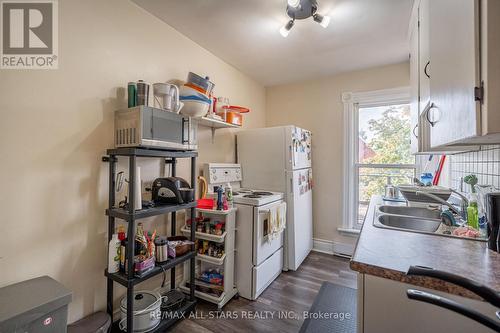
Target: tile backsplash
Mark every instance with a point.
(484, 163)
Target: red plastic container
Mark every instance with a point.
(205, 204)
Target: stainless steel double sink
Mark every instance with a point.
(416, 219)
(426, 220)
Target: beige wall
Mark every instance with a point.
(55, 125)
(316, 105)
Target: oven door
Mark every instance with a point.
(264, 247)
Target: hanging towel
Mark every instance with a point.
(277, 221)
(281, 217)
(272, 223)
(267, 225)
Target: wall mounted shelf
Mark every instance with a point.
(215, 124)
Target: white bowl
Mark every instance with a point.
(195, 109)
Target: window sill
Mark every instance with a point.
(349, 231)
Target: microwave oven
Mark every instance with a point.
(144, 126)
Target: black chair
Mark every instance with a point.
(489, 295)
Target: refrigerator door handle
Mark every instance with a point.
(291, 155)
(291, 186)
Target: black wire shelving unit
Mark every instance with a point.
(129, 215)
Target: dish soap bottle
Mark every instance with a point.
(114, 254)
(472, 212)
(229, 195)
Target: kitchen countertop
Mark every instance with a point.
(389, 253)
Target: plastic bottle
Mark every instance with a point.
(121, 233)
(114, 254)
(140, 240)
(472, 212)
(482, 191)
(220, 203)
(483, 227)
(122, 236)
(123, 255)
(229, 195)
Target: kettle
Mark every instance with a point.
(166, 96)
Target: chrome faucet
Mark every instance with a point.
(464, 203)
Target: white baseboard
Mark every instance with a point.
(323, 246)
(331, 247)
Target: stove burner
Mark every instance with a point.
(262, 193)
(254, 196)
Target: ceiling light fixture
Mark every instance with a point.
(300, 10)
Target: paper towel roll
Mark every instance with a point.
(138, 189)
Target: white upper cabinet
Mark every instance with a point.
(490, 71)
(458, 80)
(424, 53)
(420, 78)
(454, 113)
(414, 84)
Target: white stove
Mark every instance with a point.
(246, 196)
(259, 257)
(220, 174)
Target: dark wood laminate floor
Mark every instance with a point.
(291, 292)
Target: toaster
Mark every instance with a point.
(171, 190)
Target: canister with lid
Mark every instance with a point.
(161, 244)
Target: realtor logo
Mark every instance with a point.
(29, 34)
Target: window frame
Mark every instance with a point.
(352, 103)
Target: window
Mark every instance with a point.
(377, 148)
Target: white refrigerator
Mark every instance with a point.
(279, 159)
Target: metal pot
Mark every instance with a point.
(146, 311)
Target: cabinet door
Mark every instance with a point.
(424, 54)
(454, 53)
(414, 84)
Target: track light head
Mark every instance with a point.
(285, 30)
(324, 21)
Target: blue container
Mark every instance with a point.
(426, 178)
